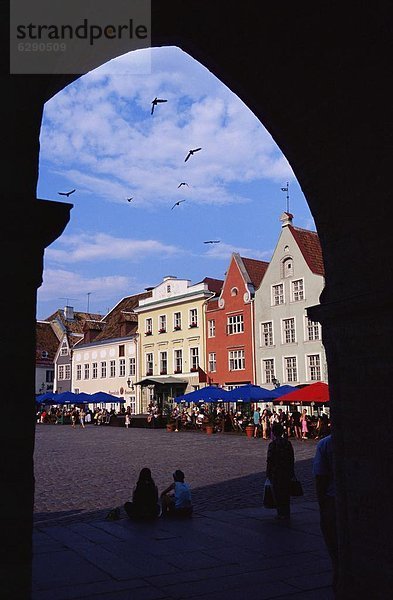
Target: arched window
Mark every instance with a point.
(234, 291)
(287, 267)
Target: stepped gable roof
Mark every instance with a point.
(256, 270)
(123, 311)
(310, 247)
(47, 343)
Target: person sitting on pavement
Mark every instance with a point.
(145, 503)
(176, 498)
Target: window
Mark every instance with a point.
(268, 370)
(178, 361)
(49, 376)
(64, 348)
(193, 317)
(177, 321)
(149, 363)
(312, 330)
(103, 369)
(236, 360)
(277, 294)
(67, 371)
(122, 367)
(148, 326)
(79, 371)
(235, 324)
(162, 324)
(194, 359)
(60, 372)
(212, 362)
(289, 331)
(290, 368)
(112, 368)
(132, 366)
(94, 370)
(234, 291)
(211, 328)
(287, 267)
(133, 405)
(87, 371)
(163, 363)
(168, 289)
(122, 350)
(267, 333)
(313, 367)
(297, 290)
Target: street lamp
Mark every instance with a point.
(275, 382)
(130, 383)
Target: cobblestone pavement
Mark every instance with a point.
(82, 473)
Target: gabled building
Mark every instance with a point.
(106, 359)
(288, 343)
(172, 338)
(69, 328)
(47, 344)
(230, 324)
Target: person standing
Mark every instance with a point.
(323, 472)
(127, 421)
(257, 420)
(280, 469)
(304, 422)
(82, 416)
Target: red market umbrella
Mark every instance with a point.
(316, 392)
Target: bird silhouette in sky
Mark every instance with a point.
(155, 102)
(129, 199)
(183, 183)
(177, 203)
(212, 242)
(190, 153)
(66, 193)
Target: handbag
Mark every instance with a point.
(295, 488)
(269, 500)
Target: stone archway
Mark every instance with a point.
(316, 78)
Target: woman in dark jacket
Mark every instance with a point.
(280, 469)
(144, 498)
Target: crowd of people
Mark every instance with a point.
(77, 415)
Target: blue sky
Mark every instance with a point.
(99, 137)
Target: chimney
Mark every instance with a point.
(286, 219)
(69, 313)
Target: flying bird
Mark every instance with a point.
(66, 193)
(212, 242)
(190, 153)
(129, 199)
(155, 102)
(177, 204)
(183, 183)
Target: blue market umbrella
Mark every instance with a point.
(211, 393)
(251, 393)
(284, 389)
(47, 398)
(66, 398)
(104, 397)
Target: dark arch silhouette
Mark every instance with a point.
(316, 75)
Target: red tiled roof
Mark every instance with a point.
(256, 270)
(214, 285)
(47, 343)
(118, 315)
(310, 247)
(76, 324)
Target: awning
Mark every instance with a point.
(207, 394)
(163, 380)
(316, 392)
(251, 393)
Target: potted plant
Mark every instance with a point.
(209, 420)
(193, 324)
(177, 328)
(170, 421)
(148, 332)
(249, 426)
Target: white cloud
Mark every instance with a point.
(75, 286)
(223, 251)
(101, 246)
(100, 134)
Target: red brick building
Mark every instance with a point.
(230, 323)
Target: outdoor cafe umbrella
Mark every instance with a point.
(284, 389)
(317, 392)
(250, 393)
(211, 393)
(47, 398)
(105, 398)
(65, 398)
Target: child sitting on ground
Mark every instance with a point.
(177, 503)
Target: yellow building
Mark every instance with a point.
(171, 325)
